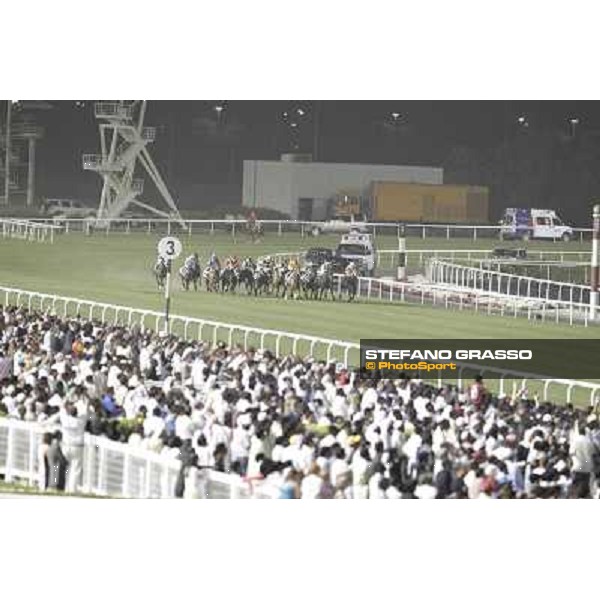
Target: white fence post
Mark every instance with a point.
(8, 476)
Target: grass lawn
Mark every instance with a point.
(117, 268)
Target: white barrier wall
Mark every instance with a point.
(114, 469)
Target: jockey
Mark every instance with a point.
(213, 261)
(235, 262)
(351, 270)
(248, 263)
(191, 262)
(294, 264)
(323, 268)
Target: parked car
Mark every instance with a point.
(317, 256)
(58, 207)
(340, 225)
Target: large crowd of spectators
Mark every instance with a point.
(310, 429)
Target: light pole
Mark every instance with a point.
(7, 155)
(219, 108)
(573, 122)
(316, 130)
(594, 283)
(394, 124)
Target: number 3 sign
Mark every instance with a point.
(169, 247)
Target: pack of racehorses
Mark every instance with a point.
(265, 277)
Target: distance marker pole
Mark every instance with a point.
(401, 274)
(167, 296)
(595, 263)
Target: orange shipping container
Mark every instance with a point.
(395, 201)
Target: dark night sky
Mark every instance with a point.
(350, 131)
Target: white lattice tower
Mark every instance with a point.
(123, 143)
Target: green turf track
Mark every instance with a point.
(117, 268)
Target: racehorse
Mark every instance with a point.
(262, 280)
(278, 283)
(189, 273)
(211, 279)
(292, 284)
(255, 230)
(349, 285)
(308, 281)
(246, 275)
(160, 272)
(325, 282)
(229, 279)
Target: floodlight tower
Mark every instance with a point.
(123, 142)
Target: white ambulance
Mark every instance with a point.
(358, 247)
(534, 223)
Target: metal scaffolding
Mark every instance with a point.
(18, 132)
(123, 143)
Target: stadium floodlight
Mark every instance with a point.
(123, 143)
(573, 122)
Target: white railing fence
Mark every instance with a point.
(115, 469)
(481, 301)
(28, 230)
(278, 226)
(390, 258)
(280, 342)
(484, 280)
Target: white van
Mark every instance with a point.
(534, 223)
(359, 248)
(58, 207)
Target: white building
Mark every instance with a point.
(302, 189)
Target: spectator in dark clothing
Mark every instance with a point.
(57, 464)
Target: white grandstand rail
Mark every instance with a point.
(376, 288)
(203, 329)
(113, 469)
